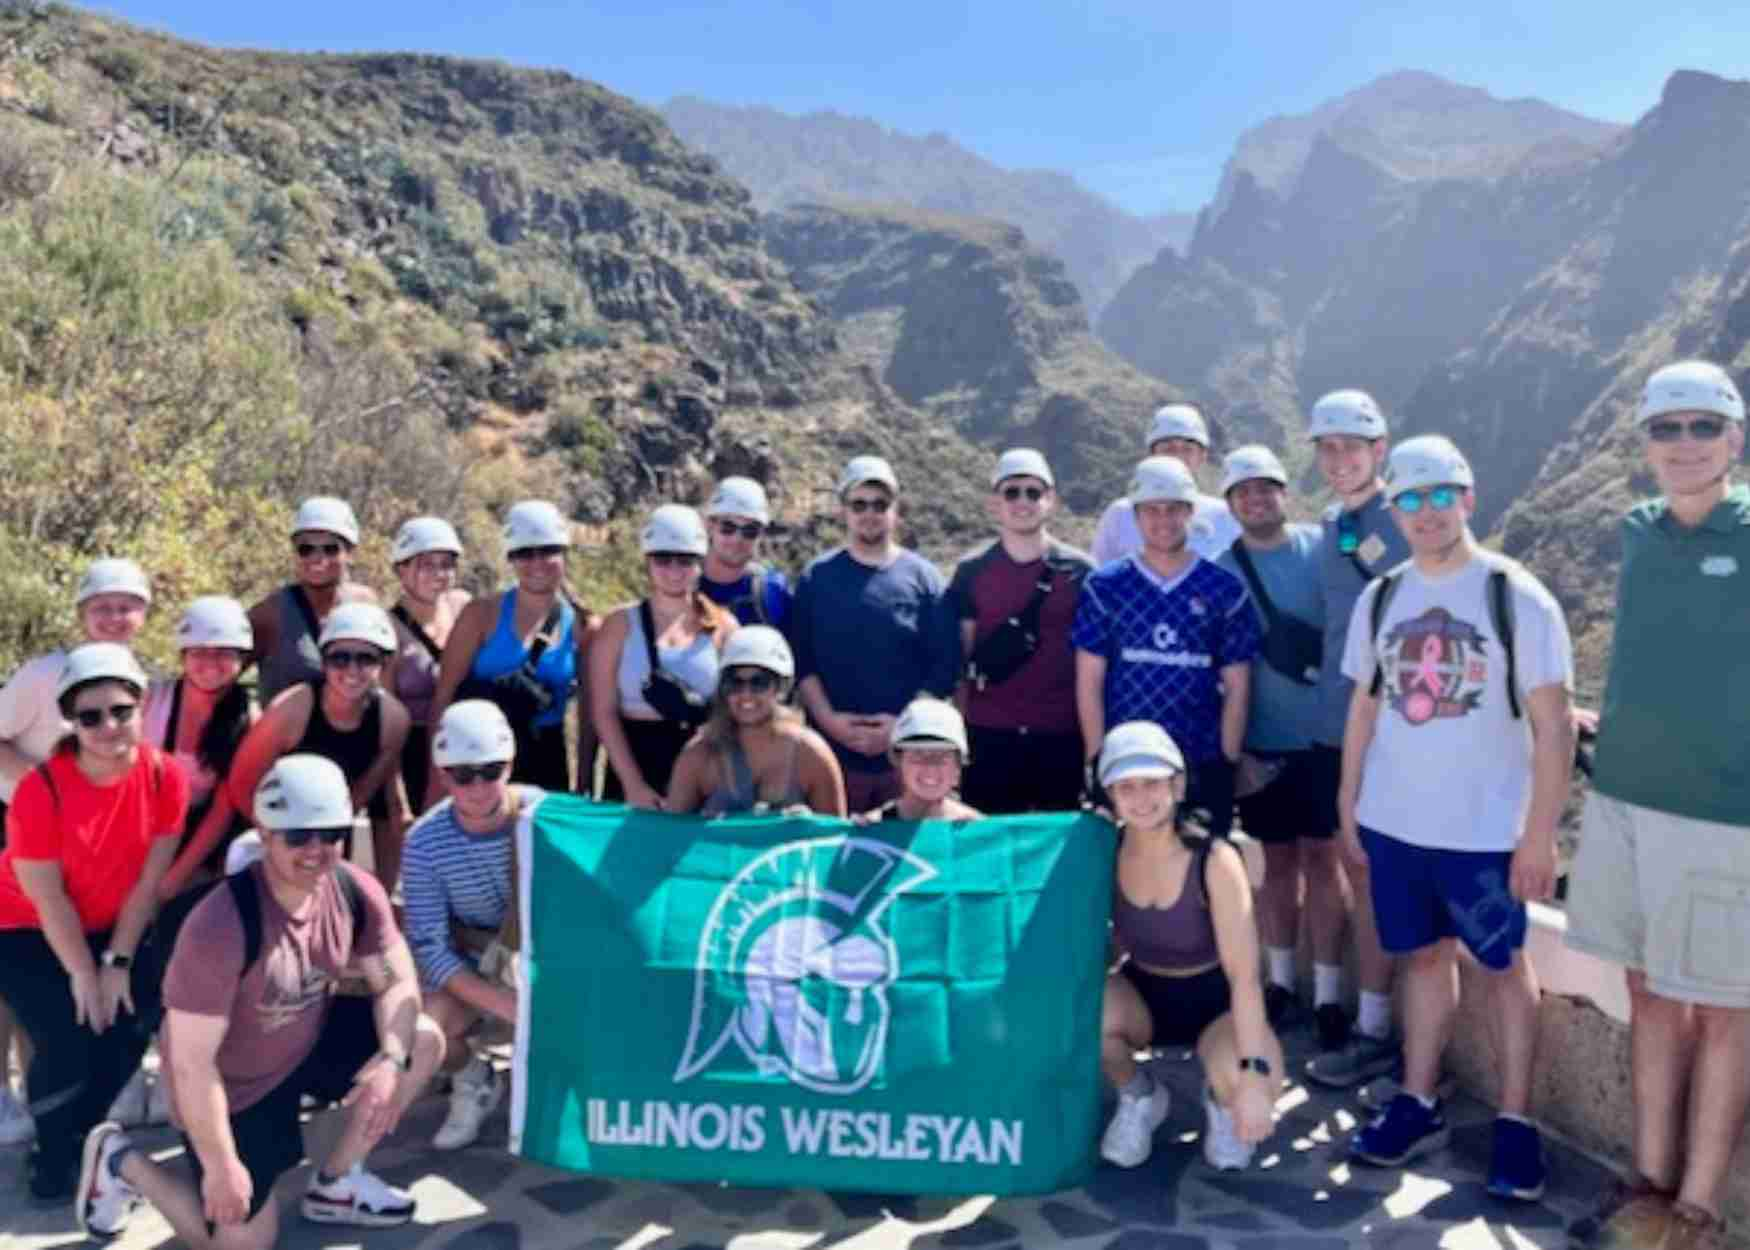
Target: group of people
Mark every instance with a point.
(1384, 705)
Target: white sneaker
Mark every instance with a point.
(129, 1107)
(103, 1200)
(1222, 1148)
(158, 1103)
(1130, 1136)
(475, 1094)
(359, 1197)
(16, 1126)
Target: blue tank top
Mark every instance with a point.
(504, 652)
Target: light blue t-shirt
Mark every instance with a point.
(1284, 713)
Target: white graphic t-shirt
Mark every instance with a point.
(1448, 766)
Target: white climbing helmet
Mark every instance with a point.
(113, 576)
(1139, 748)
(423, 534)
(1178, 421)
(359, 622)
(1162, 479)
(1250, 463)
(215, 621)
(1691, 386)
(1349, 412)
(758, 646)
(99, 661)
(535, 523)
(929, 721)
(303, 791)
(329, 516)
(1426, 460)
(473, 731)
(862, 469)
(740, 496)
(674, 528)
(1021, 462)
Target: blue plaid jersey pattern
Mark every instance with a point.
(1165, 644)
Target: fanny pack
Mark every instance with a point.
(665, 692)
(1291, 646)
(1011, 644)
(519, 694)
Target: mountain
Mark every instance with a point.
(826, 157)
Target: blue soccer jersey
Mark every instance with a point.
(1165, 643)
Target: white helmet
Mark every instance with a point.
(676, 528)
(1162, 479)
(535, 523)
(927, 720)
(861, 469)
(473, 731)
(215, 621)
(99, 661)
(113, 576)
(303, 791)
(329, 515)
(359, 622)
(423, 534)
(1139, 748)
(1346, 412)
(740, 496)
(1178, 421)
(1021, 462)
(758, 646)
(1691, 386)
(1426, 460)
(1249, 463)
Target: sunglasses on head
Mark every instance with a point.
(1439, 498)
(673, 559)
(307, 551)
(296, 838)
(468, 774)
(353, 659)
(758, 681)
(877, 506)
(92, 717)
(537, 553)
(1032, 494)
(1700, 429)
(750, 531)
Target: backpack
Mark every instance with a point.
(246, 895)
(1500, 613)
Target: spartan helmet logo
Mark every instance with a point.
(794, 965)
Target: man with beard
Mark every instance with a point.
(1163, 635)
(288, 622)
(1017, 600)
(736, 515)
(1179, 431)
(873, 628)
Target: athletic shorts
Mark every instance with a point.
(1014, 770)
(1422, 895)
(1324, 777)
(1210, 789)
(1290, 807)
(1666, 895)
(269, 1140)
(1181, 1007)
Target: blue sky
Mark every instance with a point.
(1140, 99)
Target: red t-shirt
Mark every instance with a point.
(989, 588)
(99, 834)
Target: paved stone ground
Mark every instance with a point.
(1300, 1194)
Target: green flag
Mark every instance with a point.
(806, 1002)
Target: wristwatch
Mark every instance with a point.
(404, 1062)
(115, 959)
(1255, 1063)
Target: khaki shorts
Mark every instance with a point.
(1667, 895)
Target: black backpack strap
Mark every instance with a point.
(306, 610)
(1249, 571)
(1501, 611)
(400, 613)
(1376, 618)
(348, 883)
(246, 896)
(169, 743)
(648, 622)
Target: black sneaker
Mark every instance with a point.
(51, 1185)
(1281, 1007)
(1333, 1026)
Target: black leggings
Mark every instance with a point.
(74, 1074)
(656, 745)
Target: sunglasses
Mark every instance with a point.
(1700, 430)
(1439, 498)
(1032, 494)
(673, 559)
(537, 553)
(92, 717)
(860, 506)
(435, 563)
(309, 551)
(1348, 533)
(750, 531)
(296, 838)
(758, 683)
(353, 659)
(468, 774)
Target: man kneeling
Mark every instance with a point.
(253, 1025)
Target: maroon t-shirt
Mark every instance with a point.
(278, 1007)
(989, 587)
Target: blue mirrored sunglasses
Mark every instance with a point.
(1440, 498)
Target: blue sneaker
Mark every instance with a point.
(1405, 1130)
(1516, 1165)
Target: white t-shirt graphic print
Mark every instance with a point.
(1448, 766)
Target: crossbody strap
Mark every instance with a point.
(400, 613)
(1249, 571)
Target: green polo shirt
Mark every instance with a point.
(1675, 731)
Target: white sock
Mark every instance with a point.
(1374, 1018)
(1281, 965)
(1327, 984)
(1140, 1085)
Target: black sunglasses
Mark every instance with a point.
(296, 838)
(673, 559)
(750, 531)
(468, 774)
(1032, 494)
(1701, 430)
(860, 506)
(353, 659)
(758, 682)
(92, 717)
(537, 553)
(1348, 533)
(307, 550)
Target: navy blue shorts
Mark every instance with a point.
(1422, 895)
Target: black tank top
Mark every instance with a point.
(355, 750)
